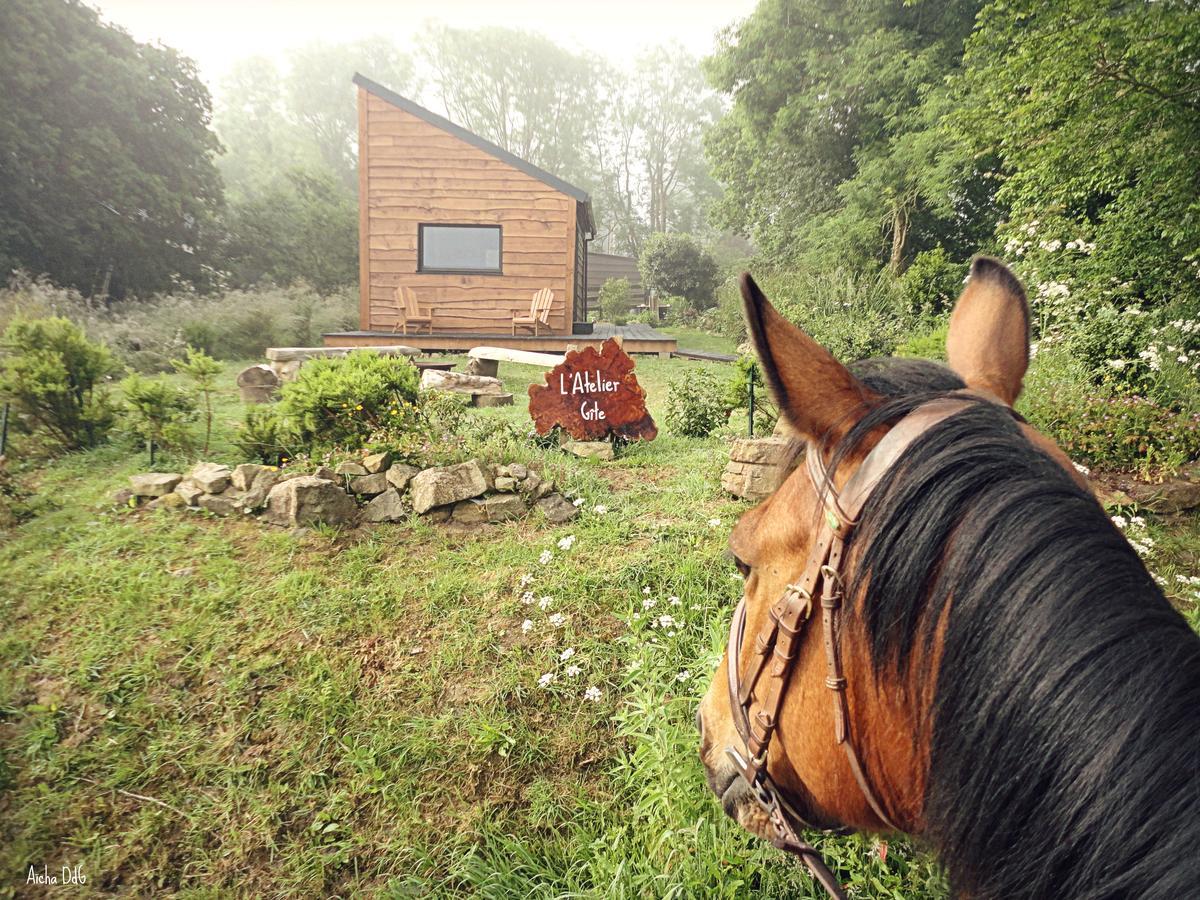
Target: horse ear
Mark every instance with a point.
(816, 394)
(988, 340)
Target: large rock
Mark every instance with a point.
(377, 462)
(256, 497)
(535, 487)
(167, 501)
(447, 484)
(306, 500)
(772, 451)
(243, 476)
(154, 484)
(400, 475)
(226, 504)
(490, 400)
(557, 509)
(387, 507)
(757, 466)
(258, 384)
(189, 492)
(489, 509)
(351, 468)
(1171, 497)
(212, 478)
(457, 382)
(591, 449)
(369, 485)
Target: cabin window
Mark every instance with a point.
(459, 248)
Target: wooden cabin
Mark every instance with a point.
(471, 230)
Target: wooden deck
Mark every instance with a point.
(635, 338)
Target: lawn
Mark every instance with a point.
(215, 707)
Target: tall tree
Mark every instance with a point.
(107, 181)
(1092, 114)
(820, 151)
(652, 172)
(519, 90)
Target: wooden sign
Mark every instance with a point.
(592, 395)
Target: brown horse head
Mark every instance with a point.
(983, 511)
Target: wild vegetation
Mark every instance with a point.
(197, 705)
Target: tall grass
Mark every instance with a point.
(147, 334)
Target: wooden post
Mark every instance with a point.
(751, 377)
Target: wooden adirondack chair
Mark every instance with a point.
(410, 313)
(539, 312)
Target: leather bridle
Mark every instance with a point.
(779, 639)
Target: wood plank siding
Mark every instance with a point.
(419, 169)
(603, 266)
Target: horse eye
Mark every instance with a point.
(741, 567)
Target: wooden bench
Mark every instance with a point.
(486, 360)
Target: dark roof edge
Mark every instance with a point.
(475, 140)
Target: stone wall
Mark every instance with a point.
(371, 489)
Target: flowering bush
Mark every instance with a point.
(1129, 433)
(343, 402)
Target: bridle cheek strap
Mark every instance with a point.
(756, 705)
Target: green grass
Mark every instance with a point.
(694, 339)
(214, 707)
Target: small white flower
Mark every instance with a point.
(1082, 469)
(527, 597)
(572, 671)
(567, 542)
(592, 693)
(546, 680)
(646, 589)
(665, 621)
(599, 509)
(558, 620)
(567, 654)
(714, 523)
(526, 580)
(578, 501)
(545, 557)
(649, 603)
(544, 603)
(1120, 521)
(683, 676)
(674, 601)
(526, 626)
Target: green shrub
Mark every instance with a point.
(1101, 428)
(930, 285)
(930, 345)
(342, 402)
(158, 411)
(850, 314)
(202, 370)
(697, 403)
(747, 371)
(262, 436)
(54, 376)
(676, 265)
(614, 300)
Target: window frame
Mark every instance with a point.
(421, 267)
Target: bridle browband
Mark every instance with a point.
(780, 636)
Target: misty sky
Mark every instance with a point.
(216, 33)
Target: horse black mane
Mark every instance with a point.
(1065, 727)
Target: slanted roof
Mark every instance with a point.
(485, 145)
